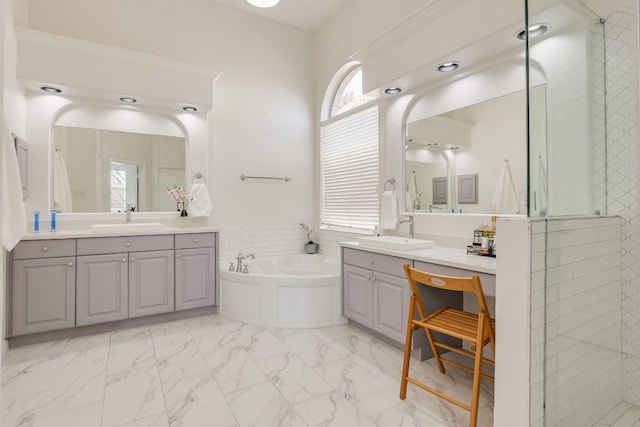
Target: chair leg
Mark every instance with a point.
(407, 349)
(477, 370)
(434, 349)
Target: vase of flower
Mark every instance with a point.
(310, 247)
(182, 200)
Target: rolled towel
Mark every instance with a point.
(14, 218)
(201, 203)
(388, 211)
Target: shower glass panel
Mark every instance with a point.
(576, 327)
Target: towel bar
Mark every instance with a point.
(245, 177)
(391, 181)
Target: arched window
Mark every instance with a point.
(349, 157)
(349, 95)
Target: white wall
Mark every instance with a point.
(262, 122)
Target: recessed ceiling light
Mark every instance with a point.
(535, 30)
(448, 67)
(263, 3)
(392, 90)
(128, 100)
(50, 89)
(189, 109)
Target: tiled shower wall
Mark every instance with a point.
(623, 181)
(576, 289)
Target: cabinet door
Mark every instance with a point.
(391, 296)
(102, 288)
(151, 283)
(43, 295)
(358, 296)
(195, 278)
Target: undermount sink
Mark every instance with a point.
(126, 227)
(396, 243)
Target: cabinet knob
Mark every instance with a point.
(132, 259)
(124, 260)
(196, 240)
(128, 244)
(70, 264)
(178, 256)
(370, 261)
(45, 248)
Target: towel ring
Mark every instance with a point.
(391, 181)
(198, 175)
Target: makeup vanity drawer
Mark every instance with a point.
(378, 262)
(195, 240)
(31, 249)
(111, 245)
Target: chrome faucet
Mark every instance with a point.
(410, 221)
(239, 258)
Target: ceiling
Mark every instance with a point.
(307, 14)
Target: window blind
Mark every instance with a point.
(349, 159)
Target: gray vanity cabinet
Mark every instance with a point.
(151, 283)
(43, 286)
(376, 292)
(102, 288)
(196, 270)
(150, 274)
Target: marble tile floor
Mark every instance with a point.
(214, 371)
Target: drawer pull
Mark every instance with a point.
(124, 260)
(196, 240)
(132, 259)
(128, 244)
(178, 256)
(45, 248)
(70, 264)
(371, 261)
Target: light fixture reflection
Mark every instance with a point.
(263, 3)
(448, 67)
(535, 30)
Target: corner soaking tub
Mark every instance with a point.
(290, 291)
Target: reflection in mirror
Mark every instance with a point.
(109, 170)
(426, 179)
(476, 139)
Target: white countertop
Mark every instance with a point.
(83, 233)
(451, 257)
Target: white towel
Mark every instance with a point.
(388, 211)
(14, 218)
(201, 204)
(542, 184)
(505, 198)
(62, 200)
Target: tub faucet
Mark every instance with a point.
(239, 258)
(410, 221)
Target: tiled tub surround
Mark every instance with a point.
(76, 282)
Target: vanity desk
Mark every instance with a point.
(75, 282)
(376, 293)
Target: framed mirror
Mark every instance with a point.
(474, 140)
(97, 170)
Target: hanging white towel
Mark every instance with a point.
(407, 202)
(542, 185)
(505, 198)
(14, 218)
(413, 191)
(388, 211)
(201, 203)
(62, 200)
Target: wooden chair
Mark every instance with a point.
(478, 329)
